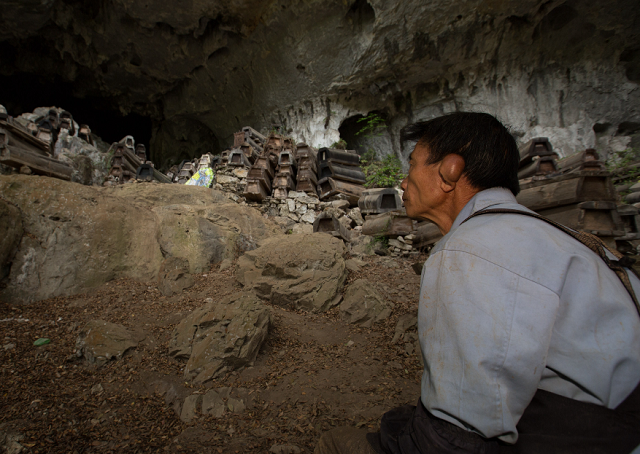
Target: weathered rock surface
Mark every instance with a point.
(362, 304)
(568, 70)
(100, 341)
(190, 407)
(10, 235)
(404, 323)
(221, 336)
(284, 449)
(10, 440)
(174, 276)
(296, 271)
(218, 401)
(362, 244)
(90, 165)
(77, 237)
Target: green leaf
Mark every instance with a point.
(42, 341)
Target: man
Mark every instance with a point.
(530, 342)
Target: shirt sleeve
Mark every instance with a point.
(485, 333)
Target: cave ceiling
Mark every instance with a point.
(204, 69)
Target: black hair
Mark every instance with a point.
(489, 151)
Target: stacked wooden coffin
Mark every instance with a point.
(383, 213)
(307, 180)
(128, 162)
(578, 194)
(20, 149)
(339, 172)
(537, 158)
(261, 175)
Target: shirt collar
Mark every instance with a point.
(482, 200)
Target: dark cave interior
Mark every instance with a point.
(22, 93)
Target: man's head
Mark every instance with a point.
(455, 157)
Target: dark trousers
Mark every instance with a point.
(551, 424)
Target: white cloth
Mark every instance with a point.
(510, 304)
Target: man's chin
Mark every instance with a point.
(411, 213)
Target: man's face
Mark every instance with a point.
(422, 194)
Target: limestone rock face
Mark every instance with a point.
(101, 341)
(568, 70)
(303, 271)
(10, 235)
(363, 305)
(221, 336)
(77, 237)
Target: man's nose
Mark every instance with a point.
(403, 185)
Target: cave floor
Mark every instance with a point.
(313, 373)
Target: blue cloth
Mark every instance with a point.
(510, 304)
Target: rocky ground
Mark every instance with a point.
(313, 373)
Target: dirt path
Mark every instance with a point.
(314, 372)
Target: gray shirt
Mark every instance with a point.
(510, 304)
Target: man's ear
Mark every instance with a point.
(451, 169)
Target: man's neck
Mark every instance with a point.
(453, 206)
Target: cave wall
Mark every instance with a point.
(565, 69)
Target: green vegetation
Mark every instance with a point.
(621, 159)
(373, 126)
(385, 173)
(378, 242)
(340, 145)
(625, 169)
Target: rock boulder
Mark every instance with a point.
(78, 237)
(101, 341)
(221, 336)
(362, 304)
(296, 271)
(174, 276)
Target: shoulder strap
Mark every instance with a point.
(591, 241)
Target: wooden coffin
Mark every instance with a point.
(392, 224)
(328, 187)
(381, 200)
(567, 189)
(327, 223)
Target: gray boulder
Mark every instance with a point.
(90, 166)
(221, 336)
(362, 304)
(405, 322)
(174, 276)
(83, 236)
(101, 341)
(296, 271)
(190, 407)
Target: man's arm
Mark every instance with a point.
(484, 333)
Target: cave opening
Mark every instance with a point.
(352, 130)
(22, 93)
(348, 130)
